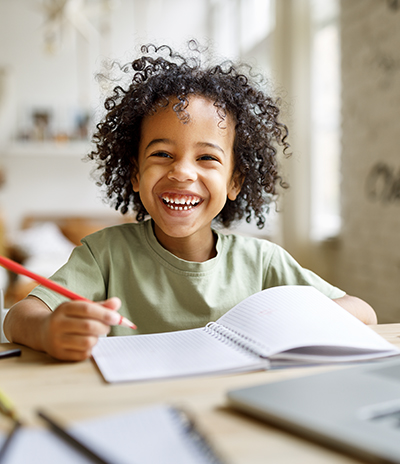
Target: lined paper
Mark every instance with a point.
(167, 355)
(284, 318)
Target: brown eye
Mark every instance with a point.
(161, 154)
(208, 158)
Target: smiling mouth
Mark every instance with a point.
(182, 203)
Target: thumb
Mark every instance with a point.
(113, 303)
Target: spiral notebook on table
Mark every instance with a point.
(288, 324)
(159, 434)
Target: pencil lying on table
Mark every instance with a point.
(60, 431)
(8, 410)
(19, 269)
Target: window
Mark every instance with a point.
(325, 119)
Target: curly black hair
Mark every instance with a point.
(162, 74)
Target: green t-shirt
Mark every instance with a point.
(161, 292)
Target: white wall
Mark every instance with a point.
(48, 184)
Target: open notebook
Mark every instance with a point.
(285, 324)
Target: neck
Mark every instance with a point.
(195, 249)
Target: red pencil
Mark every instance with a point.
(19, 269)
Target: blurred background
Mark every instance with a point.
(335, 65)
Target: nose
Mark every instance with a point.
(183, 170)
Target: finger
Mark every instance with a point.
(95, 311)
(88, 327)
(69, 347)
(113, 303)
(72, 355)
(79, 343)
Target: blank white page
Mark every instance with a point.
(171, 354)
(287, 317)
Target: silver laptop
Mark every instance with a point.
(353, 409)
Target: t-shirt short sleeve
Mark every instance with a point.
(283, 269)
(81, 274)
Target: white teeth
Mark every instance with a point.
(187, 204)
(179, 208)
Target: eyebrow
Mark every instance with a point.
(211, 145)
(199, 144)
(155, 141)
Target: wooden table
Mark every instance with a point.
(76, 391)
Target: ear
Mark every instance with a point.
(235, 186)
(135, 178)
(135, 182)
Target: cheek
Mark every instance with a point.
(145, 183)
(218, 186)
(139, 177)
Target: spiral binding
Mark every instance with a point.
(197, 437)
(237, 339)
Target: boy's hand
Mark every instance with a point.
(70, 332)
(358, 308)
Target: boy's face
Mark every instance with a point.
(185, 171)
